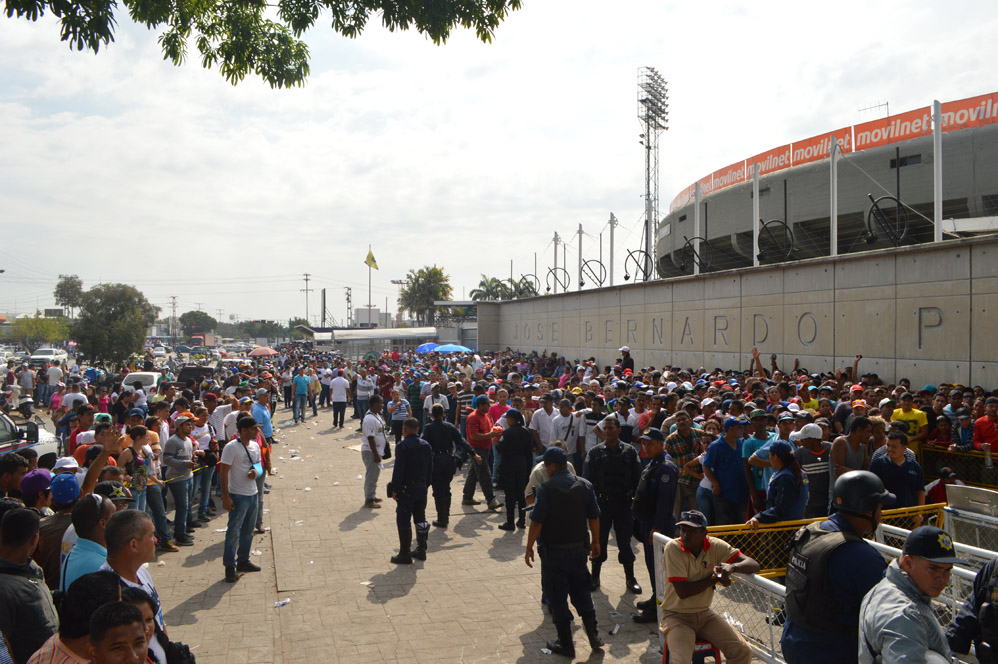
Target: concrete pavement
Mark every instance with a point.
(472, 600)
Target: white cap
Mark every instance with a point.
(63, 463)
(793, 407)
(670, 386)
(706, 402)
(810, 431)
(624, 349)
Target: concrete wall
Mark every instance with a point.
(928, 313)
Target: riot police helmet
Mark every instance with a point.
(859, 492)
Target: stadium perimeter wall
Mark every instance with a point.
(927, 312)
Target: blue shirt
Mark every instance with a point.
(262, 416)
(563, 480)
(785, 501)
(86, 556)
(301, 384)
(855, 567)
(751, 445)
(763, 453)
(726, 464)
(904, 481)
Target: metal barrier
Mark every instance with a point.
(768, 546)
(968, 466)
(971, 528)
(976, 557)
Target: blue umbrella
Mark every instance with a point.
(427, 347)
(452, 348)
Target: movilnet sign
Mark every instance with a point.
(957, 115)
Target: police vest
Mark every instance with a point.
(809, 598)
(566, 525)
(987, 618)
(614, 470)
(646, 495)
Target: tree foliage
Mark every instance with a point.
(197, 322)
(31, 333)
(256, 329)
(491, 289)
(112, 322)
(238, 39)
(425, 285)
(69, 292)
(294, 322)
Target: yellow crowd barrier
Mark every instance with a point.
(768, 545)
(968, 466)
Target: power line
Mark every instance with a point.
(306, 290)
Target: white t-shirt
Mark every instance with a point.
(365, 387)
(73, 400)
(543, 424)
(234, 456)
(567, 428)
(229, 425)
(203, 436)
(429, 401)
(340, 389)
(55, 375)
(374, 426)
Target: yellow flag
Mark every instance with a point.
(370, 262)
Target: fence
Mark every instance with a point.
(975, 557)
(768, 546)
(970, 528)
(968, 466)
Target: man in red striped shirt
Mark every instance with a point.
(481, 433)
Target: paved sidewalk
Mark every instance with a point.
(472, 600)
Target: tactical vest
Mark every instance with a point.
(809, 599)
(987, 618)
(614, 473)
(566, 524)
(646, 495)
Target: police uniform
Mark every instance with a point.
(444, 440)
(614, 472)
(977, 621)
(652, 506)
(564, 506)
(831, 568)
(412, 473)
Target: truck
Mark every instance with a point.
(203, 339)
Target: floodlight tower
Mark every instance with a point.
(653, 113)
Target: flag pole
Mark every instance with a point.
(368, 286)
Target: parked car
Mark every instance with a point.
(158, 351)
(44, 355)
(147, 378)
(13, 437)
(181, 348)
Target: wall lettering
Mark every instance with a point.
(526, 331)
(687, 332)
(928, 318)
(656, 330)
(608, 337)
(554, 331)
(804, 334)
(756, 338)
(540, 331)
(589, 331)
(632, 328)
(721, 329)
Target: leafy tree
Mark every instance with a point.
(112, 322)
(294, 322)
(524, 288)
(197, 322)
(69, 292)
(425, 286)
(33, 332)
(262, 328)
(238, 38)
(489, 289)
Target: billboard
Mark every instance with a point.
(819, 147)
(883, 131)
(773, 160)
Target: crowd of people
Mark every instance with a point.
(637, 450)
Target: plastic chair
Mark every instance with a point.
(701, 650)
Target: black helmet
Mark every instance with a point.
(860, 491)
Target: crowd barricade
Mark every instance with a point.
(975, 557)
(977, 530)
(768, 546)
(968, 466)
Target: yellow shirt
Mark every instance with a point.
(681, 565)
(812, 404)
(916, 419)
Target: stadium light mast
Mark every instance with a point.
(653, 113)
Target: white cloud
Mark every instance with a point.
(121, 166)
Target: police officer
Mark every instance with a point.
(652, 508)
(613, 468)
(444, 439)
(977, 621)
(831, 567)
(565, 505)
(412, 473)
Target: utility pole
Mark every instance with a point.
(199, 305)
(556, 241)
(173, 320)
(613, 224)
(323, 308)
(306, 290)
(219, 312)
(580, 256)
(349, 306)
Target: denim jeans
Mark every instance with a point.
(311, 402)
(323, 395)
(259, 500)
(156, 507)
(181, 490)
(203, 480)
(139, 500)
(371, 473)
(705, 501)
(728, 512)
(363, 405)
(298, 408)
(239, 534)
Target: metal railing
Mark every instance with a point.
(975, 557)
(968, 466)
(971, 528)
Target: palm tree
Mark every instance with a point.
(425, 286)
(525, 288)
(489, 289)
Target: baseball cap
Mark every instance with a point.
(35, 481)
(651, 433)
(136, 412)
(884, 402)
(780, 448)
(65, 489)
(810, 431)
(758, 412)
(102, 417)
(245, 400)
(932, 544)
(945, 473)
(787, 415)
(112, 489)
(261, 392)
(856, 388)
(624, 349)
(185, 416)
(963, 413)
(706, 402)
(692, 518)
(859, 403)
(734, 422)
(66, 463)
(555, 455)
(210, 396)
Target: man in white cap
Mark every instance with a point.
(626, 361)
(812, 454)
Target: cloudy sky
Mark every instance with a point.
(122, 167)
